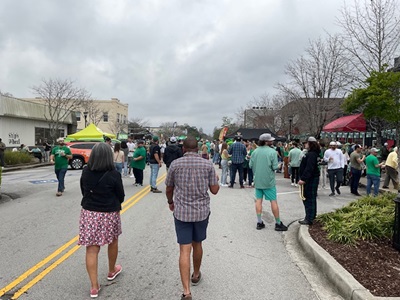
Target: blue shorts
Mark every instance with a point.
(267, 194)
(188, 232)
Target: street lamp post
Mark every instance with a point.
(290, 127)
(85, 114)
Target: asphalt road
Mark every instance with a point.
(239, 261)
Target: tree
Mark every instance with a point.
(6, 94)
(314, 78)
(371, 35)
(379, 100)
(61, 98)
(94, 112)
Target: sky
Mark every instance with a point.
(181, 61)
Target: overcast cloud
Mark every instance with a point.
(170, 60)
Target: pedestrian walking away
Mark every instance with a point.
(335, 159)
(59, 157)
(172, 152)
(238, 153)
(356, 159)
(391, 167)
(100, 220)
(373, 171)
(294, 162)
(155, 164)
(309, 180)
(264, 162)
(138, 163)
(188, 180)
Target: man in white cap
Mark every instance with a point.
(384, 152)
(172, 152)
(264, 162)
(59, 157)
(335, 159)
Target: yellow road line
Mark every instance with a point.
(126, 205)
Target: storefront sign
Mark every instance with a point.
(13, 139)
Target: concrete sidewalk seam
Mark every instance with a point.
(345, 283)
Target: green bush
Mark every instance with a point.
(365, 219)
(15, 158)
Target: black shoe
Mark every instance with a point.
(156, 191)
(331, 194)
(242, 186)
(230, 186)
(385, 187)
(337, 191)
(260, 226)
(280, 227)
(357, 194)
(305, 222)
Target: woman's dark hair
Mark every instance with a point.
(124, 145)
(101, 158)
(314, 146)
(117, 147)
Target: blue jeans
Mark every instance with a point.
(239, 168)
(224, 171)
(216, 158)
(118, 167)
(355, 180)
(373, 180)
(153, 175)
(125, 168)
(60, 173)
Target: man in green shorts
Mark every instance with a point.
(264, 162)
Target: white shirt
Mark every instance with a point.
(334, 158)
(131, 147)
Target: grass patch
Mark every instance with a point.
(16, 158)
(367, 218)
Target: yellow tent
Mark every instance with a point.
(90, 132)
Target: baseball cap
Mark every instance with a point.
(266, 137)
(311, 139)
(155, 138)
(60, 140)
(385, 144)
(332, 144)
(374, 150)
(172, 139)
(238, 137)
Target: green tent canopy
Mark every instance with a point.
(91, 132)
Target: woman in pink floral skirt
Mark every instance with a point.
(100, 221)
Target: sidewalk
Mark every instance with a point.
(25, 166)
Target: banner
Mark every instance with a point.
(223, 133)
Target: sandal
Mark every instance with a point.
(186, 297)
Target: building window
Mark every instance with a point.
(105, 116)
(118, 118)
(78, 116)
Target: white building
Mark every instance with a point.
(24, 122)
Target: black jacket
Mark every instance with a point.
(105, 195)
(309, 166)
(171, 153)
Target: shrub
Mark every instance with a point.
(367, 218)
(15, 158)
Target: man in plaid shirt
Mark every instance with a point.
(238, 154)
(188, 180)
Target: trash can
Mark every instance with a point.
(396, 229)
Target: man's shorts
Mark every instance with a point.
(188, 232)
(267, 194)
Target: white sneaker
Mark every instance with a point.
(223, 184)
(295, 185)
(292, 184)
(132, 176)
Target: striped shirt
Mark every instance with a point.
(191, 176)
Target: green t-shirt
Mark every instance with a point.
(294, 156)
(139, 164)
(370, 162)
(61, 161)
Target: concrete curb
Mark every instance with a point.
(343, 281)
(23, 167)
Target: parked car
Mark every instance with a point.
(80, 153)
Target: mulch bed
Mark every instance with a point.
(375, 264)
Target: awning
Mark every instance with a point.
(353, 123)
